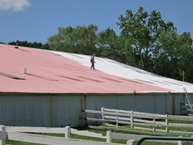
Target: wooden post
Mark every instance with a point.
(131, 142)
(67, 132)
(167, 123)
(131, 119)
(2, 128)
(102, 110)
(180, 142)
(108, 137)
(116, 120)
(153, 124)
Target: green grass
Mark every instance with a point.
(181, 121)
(18, 143)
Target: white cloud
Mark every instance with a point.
(14, 5)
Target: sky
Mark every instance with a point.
(37, 20)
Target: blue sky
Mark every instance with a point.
(37, 20)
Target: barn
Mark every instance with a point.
(50, 88)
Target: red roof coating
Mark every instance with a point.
(51, 73)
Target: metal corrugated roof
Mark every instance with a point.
(47, 72)
(133, 74)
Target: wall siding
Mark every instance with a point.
(56, 110)
(152, 103)
(40, 110)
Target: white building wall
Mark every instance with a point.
(56, 110)
(40, 110)
(152, 103)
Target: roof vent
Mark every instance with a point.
(24, 70)
(16, 47)
(134, 92)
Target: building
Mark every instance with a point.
(48, 88)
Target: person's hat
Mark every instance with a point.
(94, 54)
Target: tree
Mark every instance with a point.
(165, 62)
(81, 39)
(140, 32)
(30, 44)
(107, 44)
(185, 55)
(63, 40)
(86, 39)
(174, 56)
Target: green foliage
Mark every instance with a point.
(175, 55)
(108, 44)
(29, 44)
(140, 32)
(81, 39)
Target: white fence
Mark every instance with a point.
(17, 134)
(136, 119)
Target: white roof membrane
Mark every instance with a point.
(125, 71)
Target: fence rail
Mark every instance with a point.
(53, 131)
(137, 119)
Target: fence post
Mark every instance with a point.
(116, 120)
(180, 142)
(102, 110)
(153, 124)
(2, 128)
(167, 123)
(131, 142)
(67, 132)
(109, 137)
(131, 119)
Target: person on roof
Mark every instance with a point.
(92, 61)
